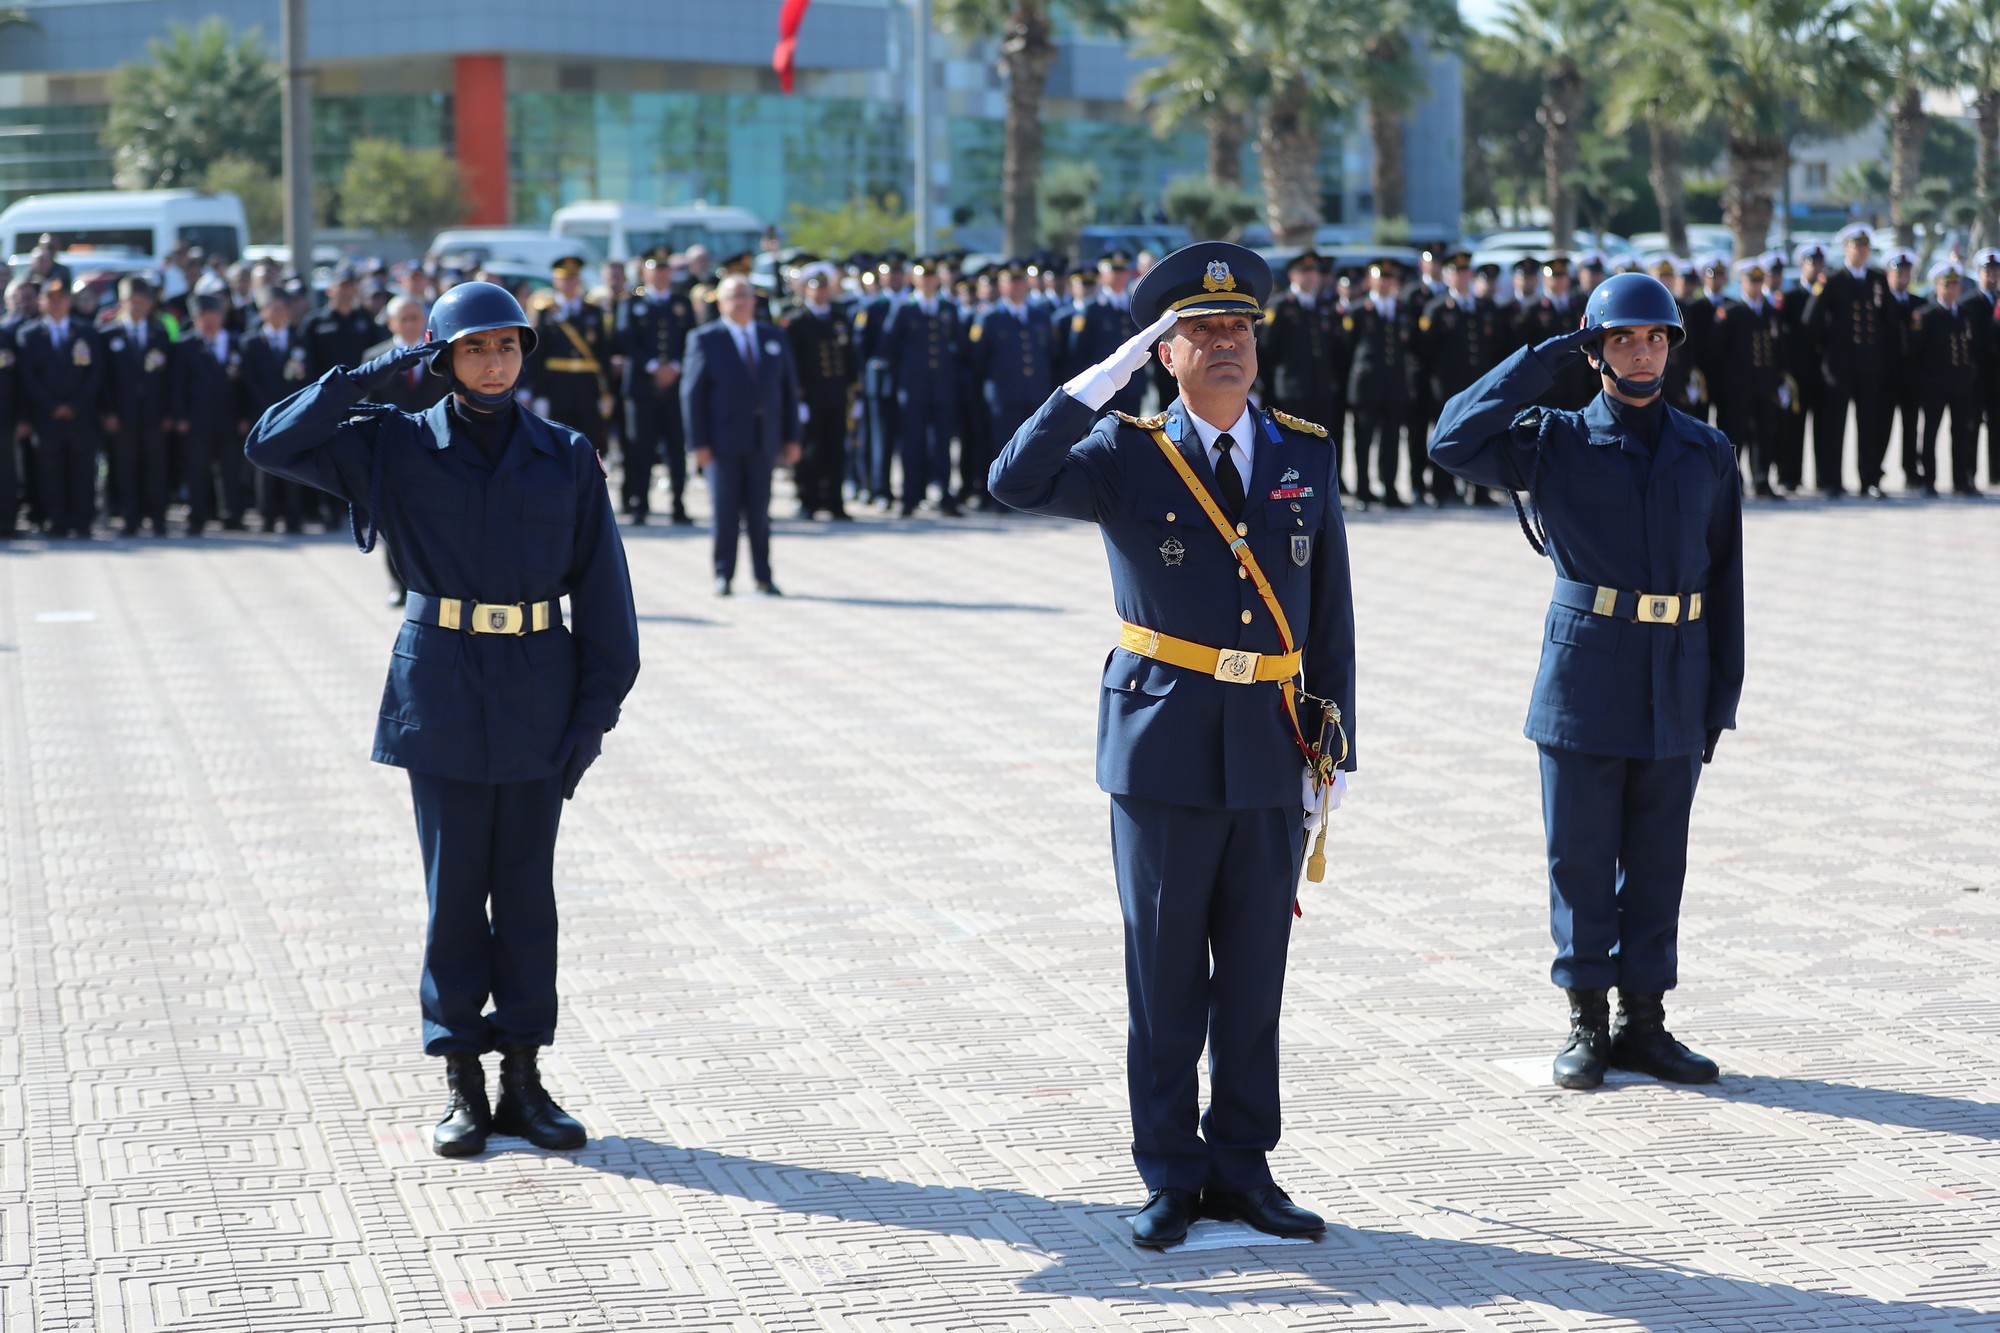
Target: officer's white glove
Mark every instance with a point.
(1331, 796)
(1094, 387)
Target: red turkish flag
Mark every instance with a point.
(789, 19)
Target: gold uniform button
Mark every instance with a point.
(1170, 516)
(1242, 572)
(1246, 617)
(1243, 529)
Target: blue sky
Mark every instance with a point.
(1479, 13)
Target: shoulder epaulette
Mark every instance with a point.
(1299, 423)
(1147, 423)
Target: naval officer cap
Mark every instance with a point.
(1206, 278)
(1986, 259)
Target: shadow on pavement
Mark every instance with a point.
(924, 604)
(1879, 1106)
(1092, 1255)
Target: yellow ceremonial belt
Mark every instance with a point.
(1225, 664)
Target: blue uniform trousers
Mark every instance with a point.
(882, 414)
(1618, 831)
(739, 486)
(1207, 897)
(923, 430)
(488, 849)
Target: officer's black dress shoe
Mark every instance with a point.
(636, 519)
(1831, 493)
(1875, 492)
(1270, 1210)
(840, 515)
(1581, 1062)
(766, 588)
(949, 508)
(468, 1117)
(1968, 490)
(527, 1110)
(722, 587)
(1928, 491)
(1642, 1043)
(1393, 499)
(681, 519)
(1165, 1219)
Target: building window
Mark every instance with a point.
(1815, 175)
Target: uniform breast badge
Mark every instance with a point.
(1302, 549)
(1172, 552)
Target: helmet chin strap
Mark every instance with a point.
(489, 402)
(1644, 390)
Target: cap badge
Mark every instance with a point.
(1218, 278)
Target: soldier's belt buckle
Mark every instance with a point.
(491, 619)
(1237, 668)
(1659, 610)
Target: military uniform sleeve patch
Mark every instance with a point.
(1299, 423)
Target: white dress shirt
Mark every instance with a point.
(1243, 437)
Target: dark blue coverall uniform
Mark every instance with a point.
(1204, 776)
(477, 719)
(1622, 707)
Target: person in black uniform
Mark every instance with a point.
(1752, 389)
(207, 402)
(878, 378)
(1458, 340)
(1845, 313)
(569, 378)
(823, 352)
(1947, 369)
(1219, 714)
(1011, 348)
(274, 368)
(1636, 687)
(1902, 376)
(1299, 345)
(137, 382)
(10, 473)
(492, 704)
(1802, 360)
(61, 372)
(340, 332)
(1983, 305)
(1377, 334)
(1088, 329)
(657, 321)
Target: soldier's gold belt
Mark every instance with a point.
(571, 365)
(1648, 608)
(1230, 665)
(481, 617)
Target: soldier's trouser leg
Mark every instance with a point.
(913, 449)
(757, 514)
(1367, 425)
(641, 453)
(124, 502)
(1617, 842)
(1387, 431)
(1766, 425)
(1416, 447)
(1207, 901)
(1792, 458)
(1829, 436)
(69, 477)
(1964, 439)
(1908, 414)
(937, 454)
(489, 874)
(1873, 409)
(1922, 467)
(726, 478)
(884, 440)
(10, 479)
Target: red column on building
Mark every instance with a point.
(479, 115)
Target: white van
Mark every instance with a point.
(141, 222)
(608, 230)
(499, 245)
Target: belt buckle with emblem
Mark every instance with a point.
(1172, 552)
(1660, 610)
(491, 619)
(1234, 668)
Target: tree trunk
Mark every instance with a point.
(1026, 52)
(1385, 132)
(1907, 124)
(1986, 170)
(1288, 144)
(1225, 146)
(1669, 185)
(1756, 165)
(1562, 106)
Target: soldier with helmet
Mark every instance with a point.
(569, 376)
(1640, 512)
(494, 706)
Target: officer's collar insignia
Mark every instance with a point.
(1176, 427)
(1172, 552)
(1291, 474)
(1302, 548)
(1218, 277)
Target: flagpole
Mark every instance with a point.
(920, 13)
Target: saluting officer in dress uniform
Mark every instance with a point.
(494, 707)
(1011, 348)
(823, 351)
(1458, 340)
(1377, 334)
(1802, 358)
(1846, 312)
(1902, 376)
(1642, 662)
(657, 321)
(1752, 389)
(569, 376)
(1197, 746)
(1947, 370)
(923, 344)
(1299, 345)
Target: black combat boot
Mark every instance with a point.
(468, 1116)
(1641, 1042)
(1580, 1063)
(527, 1110)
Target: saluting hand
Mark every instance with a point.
(374, 374)
(1094, 387)
(1551, 351)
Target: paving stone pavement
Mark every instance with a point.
(841, 977)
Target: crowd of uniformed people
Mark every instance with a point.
(119, 401)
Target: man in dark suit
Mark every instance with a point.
(740, 398)
(274, 368)
(1846, 312)
(207, 401)
(655, 324)
(1458, 340)
(62, 378)
(137, 348)
(1902, 369)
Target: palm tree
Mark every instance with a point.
(1977, 23)
(1393, 74)
(1624, 108)
(1755, 68)
(1919, 50)
(1025, 32)
(201, 95)
(1191, 82)
(1565, 41)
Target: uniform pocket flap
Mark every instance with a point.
(1578, 629)
(1131, 674)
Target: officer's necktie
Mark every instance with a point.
(1227, 479)
(750, 355)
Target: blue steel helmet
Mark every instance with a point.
(1632, 301)
(477, 307)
